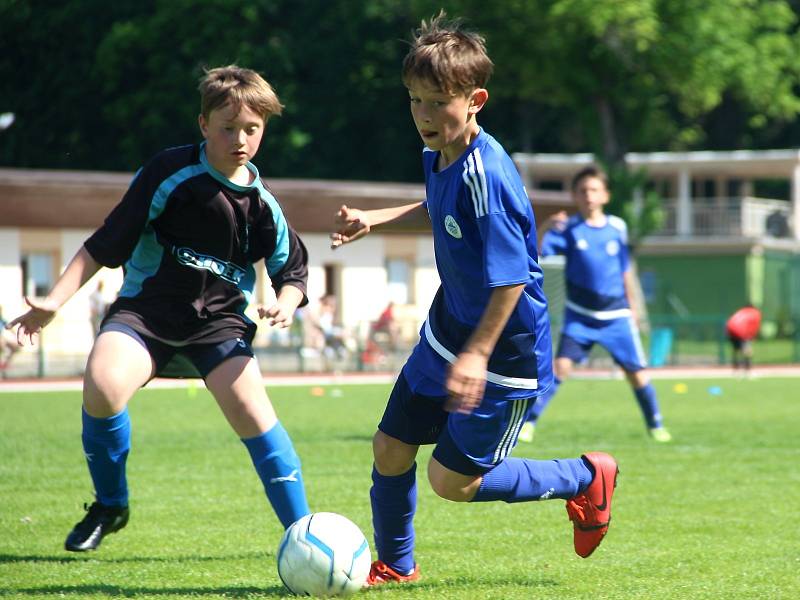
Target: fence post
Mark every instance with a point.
(41, 369)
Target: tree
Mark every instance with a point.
(642, 74)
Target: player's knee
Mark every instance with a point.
(450, 485)
(392, 457)
(562, 368)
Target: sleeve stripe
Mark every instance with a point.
(475, 178)
(465, 176)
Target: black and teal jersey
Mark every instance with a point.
(187, 238)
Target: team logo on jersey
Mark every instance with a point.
(582, 244)
(612, 247)
(222, 269)
(452, 227)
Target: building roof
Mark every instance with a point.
(751, 164)
(82, 199)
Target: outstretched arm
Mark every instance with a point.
(353, 223)
(466, 380)
(554, 221)
(79, 270)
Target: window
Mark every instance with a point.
(38, 273)
(398, 273)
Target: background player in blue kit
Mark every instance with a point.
(188, 231)
(599, 306)
(485, 350)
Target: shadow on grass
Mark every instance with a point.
(66, 558)
(81, 591)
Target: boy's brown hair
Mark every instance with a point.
(590, 171)
(239, 87)
(445, 55)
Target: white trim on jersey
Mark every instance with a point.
(620, 225)
(637, 343)
(600, 315)
(475, 178)
(512, 382)
(519, 408)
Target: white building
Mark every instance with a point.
(45, 216)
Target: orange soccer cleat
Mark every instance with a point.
(590, 511)
(380, 573)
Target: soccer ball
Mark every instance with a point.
(323, 554)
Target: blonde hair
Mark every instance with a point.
(445, 55)
(238, 87)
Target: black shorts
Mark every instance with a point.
(190, 361)
(738, 343)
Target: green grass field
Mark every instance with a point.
(712, 515)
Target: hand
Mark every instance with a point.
(32, 322)
(466, 383)
(277, 315)
(351, 224)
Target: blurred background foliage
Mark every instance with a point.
(103, 85)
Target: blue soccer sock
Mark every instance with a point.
(523, 480)
(542, 401)
(646, 397)
(278, 466)
(106, 442)
(394, 502)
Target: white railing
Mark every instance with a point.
(738, 217)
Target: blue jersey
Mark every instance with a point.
(484, 236)
(597, 259)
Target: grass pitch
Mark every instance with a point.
(712, 515)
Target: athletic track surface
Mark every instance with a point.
(720, 372)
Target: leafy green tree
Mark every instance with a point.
(642, 74)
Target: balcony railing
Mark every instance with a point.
(735, 217)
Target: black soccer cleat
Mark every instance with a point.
(100, 520)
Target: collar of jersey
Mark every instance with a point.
(460, 160)
(224, 180)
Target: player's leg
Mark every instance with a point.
(471, 463)
(119, 364)
(647, 399)
(238, 388)
(747, 355)
(393, 497)
(621, 339)
(409, 420)
(573, 347)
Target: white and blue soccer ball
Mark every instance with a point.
(323, 554)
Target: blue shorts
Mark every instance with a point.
(468, 444)
(619, 336)
(194, 360)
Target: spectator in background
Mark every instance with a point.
(742, 328)
(97, 308)
(386, 324)
(8, 344)
(321, 333)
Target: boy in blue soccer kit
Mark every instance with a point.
(485, 350)
(188, 231)
(599, 296)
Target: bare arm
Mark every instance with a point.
(79, 270)
(353, 223)
(555, 220)
(466, 381)
(629, 284)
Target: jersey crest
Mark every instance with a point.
(452, 227)
(612, 247)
